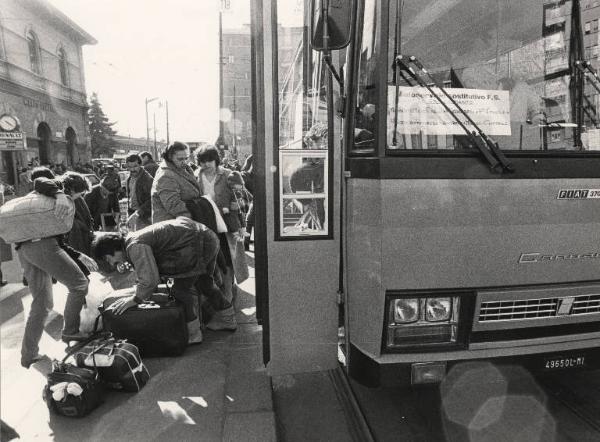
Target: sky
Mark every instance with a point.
(155, 48)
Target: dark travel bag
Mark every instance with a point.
(72, 391)
(156, 327)
(118, 362)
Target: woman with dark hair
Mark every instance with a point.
(174, 184)
(214, 182)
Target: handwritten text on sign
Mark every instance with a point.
(420, 112)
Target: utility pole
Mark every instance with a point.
(234, 121)
(167, 106)
(155, 150)
(221, 125)
(148, 100)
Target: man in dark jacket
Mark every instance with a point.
(104, 204)
(139, 185)
(148, 163)
(181, 249)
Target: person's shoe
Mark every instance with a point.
(194, 332)
(3, 283)
(25, 283)
(81, 336)
(223, 320)
(28, 362)
(54, 281)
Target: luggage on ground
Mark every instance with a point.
(156, 327)
(118, 362)
(72, 391)
(32, 217)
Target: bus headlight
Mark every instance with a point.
(438, 309)
(406, 310)
(422, 321)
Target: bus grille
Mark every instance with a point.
(515, 310)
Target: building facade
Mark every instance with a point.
(42, 86)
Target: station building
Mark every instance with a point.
(43, 103)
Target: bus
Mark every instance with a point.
(458, 191)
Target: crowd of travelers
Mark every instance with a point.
(185, 219)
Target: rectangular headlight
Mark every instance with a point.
(438, 309)
(406, 310)
(422, 321)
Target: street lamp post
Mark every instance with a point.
(154, 127)
(148, 100)
(167, 105)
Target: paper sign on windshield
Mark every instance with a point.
(420, 112)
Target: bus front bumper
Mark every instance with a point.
(394, 369)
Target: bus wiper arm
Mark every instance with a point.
(586, 67)
(489, 143)
(484, 144)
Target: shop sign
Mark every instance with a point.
(420, 112)
(11, 138)
(12, 141)
(30, 102)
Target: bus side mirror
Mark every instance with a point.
(339, 23)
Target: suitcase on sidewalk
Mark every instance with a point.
(156, 327)
(118, 362)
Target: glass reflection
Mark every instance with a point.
(527, 48)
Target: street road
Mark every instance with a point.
(483, 402)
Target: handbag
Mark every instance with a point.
(241, 267)
(72, 391)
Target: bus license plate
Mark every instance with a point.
(560, 363)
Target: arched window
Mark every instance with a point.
(34, 52)
(63, 67)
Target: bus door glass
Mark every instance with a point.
(367, 53)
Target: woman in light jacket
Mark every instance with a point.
(212, 180)
(173, 185)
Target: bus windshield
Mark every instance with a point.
(510, 64)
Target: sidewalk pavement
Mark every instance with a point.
(217, 391)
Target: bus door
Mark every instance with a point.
(298, 230)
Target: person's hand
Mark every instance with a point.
(225, 210)
(88, 262)
(241, 234)
(121, 305)
(64, 204)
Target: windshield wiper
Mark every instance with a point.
(586, 67)
(488, 147)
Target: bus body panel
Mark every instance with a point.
(463, 234)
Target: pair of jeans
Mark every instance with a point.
(183, 291)
(41, 260)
